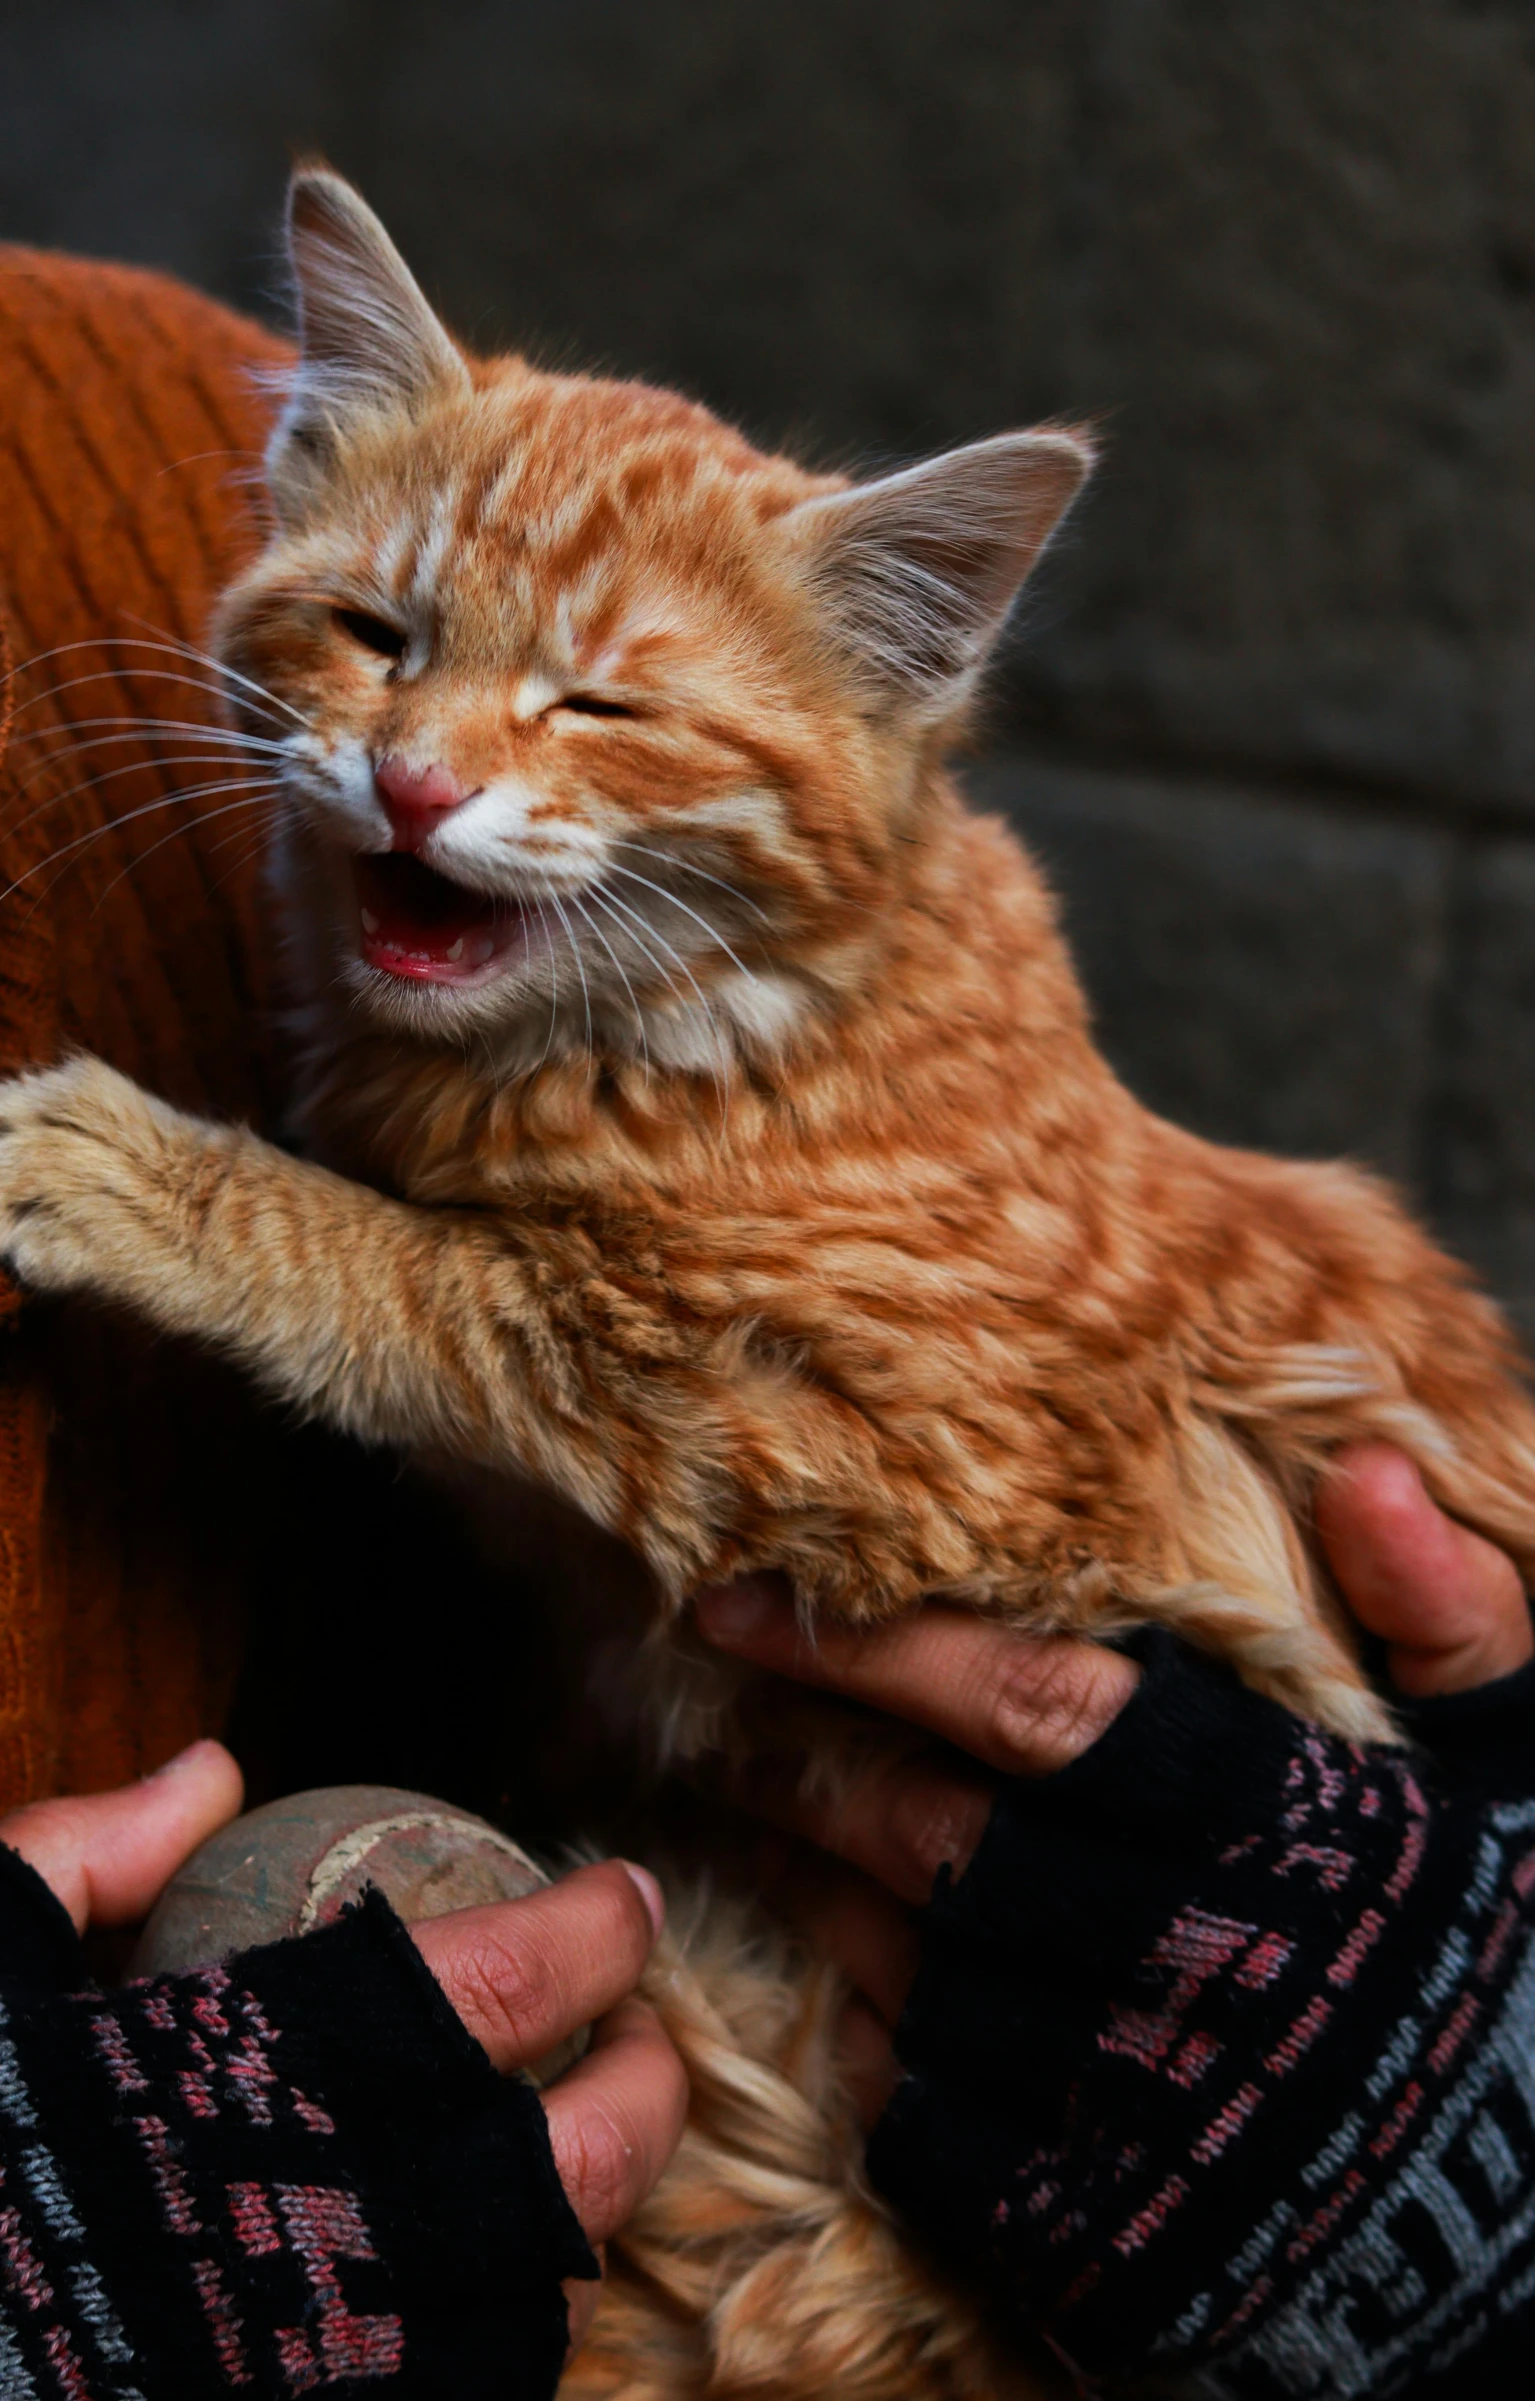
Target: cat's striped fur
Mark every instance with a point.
(747, 1175)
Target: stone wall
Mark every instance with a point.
(1271, 714)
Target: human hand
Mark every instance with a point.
(522, 1975)
(108, 1856)
(525, 1974)
(1448, 1605)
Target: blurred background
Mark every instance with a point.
(1270, 715)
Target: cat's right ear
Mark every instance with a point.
(916, 573)
(368, 337)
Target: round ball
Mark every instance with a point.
(295, 1864)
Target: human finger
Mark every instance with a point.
(616, 2117)
(844, 1916)
(866, 2059)
(899, 1820)
(109, 1855)
(1449, 1604)
(524, 1974)
(1021, 1704)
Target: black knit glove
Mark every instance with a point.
(1222, 2053)
(297, 2174)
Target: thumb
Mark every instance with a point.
(109, 1855)
(1449, 1604)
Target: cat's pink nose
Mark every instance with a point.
(415, 799)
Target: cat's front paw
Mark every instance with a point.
(84, 1159)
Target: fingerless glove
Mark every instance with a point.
(297, 2173)
(1222, 2053)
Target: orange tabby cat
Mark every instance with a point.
(715, 1136)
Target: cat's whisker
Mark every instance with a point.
(491, 1069)
(713, 932)
(665, 858)
(247, 857)
(208, 818)
(223, 843)
(252, 847)
(618, 968)
(261, 789)
(608, 905)
(133, 675)
(611, 902)
(60, 650)
(483, 1039)
(127, 727)
(554, 985)
(55, 800)
(204, 658)
(92, 642)
(151, 757)
(94, 783)
(640, 927)
(237, 867)
(122, 674)
(196, 458)
(575, 952)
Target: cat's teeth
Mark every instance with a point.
(482, 948)
(457, 950)
(369, 922)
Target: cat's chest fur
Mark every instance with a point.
(934, 1306)
(894, 1230)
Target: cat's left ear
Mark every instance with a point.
(368, 336)
(916, 572)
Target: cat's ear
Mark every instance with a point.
(368, 337)
(917, 572)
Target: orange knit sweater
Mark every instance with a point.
(142, 1491)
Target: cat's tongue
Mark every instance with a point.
(416, 923)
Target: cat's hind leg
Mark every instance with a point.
(1282, 1649)
(762, 2263)
(1253, 1594)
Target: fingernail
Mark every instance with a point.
(649, 1891)
(174, 1765)
(732, 1613)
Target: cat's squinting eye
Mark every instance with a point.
(372, 632)
(591, 704)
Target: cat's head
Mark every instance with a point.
(594, 723)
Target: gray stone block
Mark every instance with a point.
(1484, 1120)
(1266, 972)
(161, 133)
(1286, 252)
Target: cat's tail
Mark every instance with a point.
(762, 2265)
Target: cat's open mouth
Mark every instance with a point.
(417, 923)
